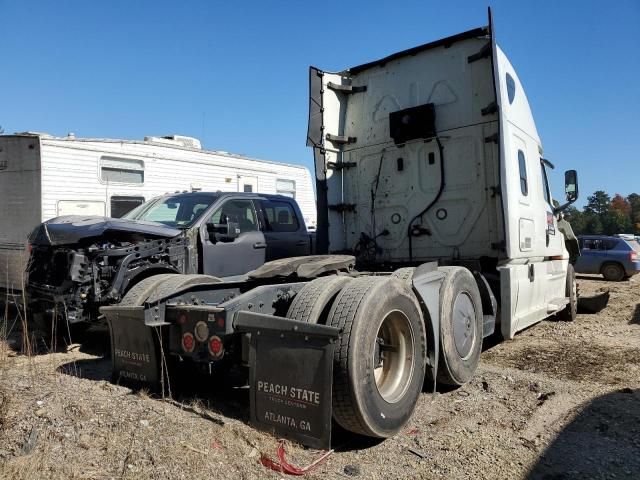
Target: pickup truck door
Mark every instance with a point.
(238, 256)
(284, 231)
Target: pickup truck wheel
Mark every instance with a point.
(612, 272)
(570, 312)
(313, 302)
(380, 356)
(460, 326)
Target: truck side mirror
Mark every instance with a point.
(224, 232)
(212, 229)
(571, 185)
(233, 231)
(570, 190)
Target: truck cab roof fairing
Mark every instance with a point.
(513, 97)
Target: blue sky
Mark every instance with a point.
(235, 73)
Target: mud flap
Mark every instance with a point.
(291, 373)
(594, 303)
(136, 351)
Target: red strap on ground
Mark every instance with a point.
(285, 467)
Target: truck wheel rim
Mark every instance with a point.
(393, 356)
(464, 324)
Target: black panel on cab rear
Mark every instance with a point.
(412, 123)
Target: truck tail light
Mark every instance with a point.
(216, 349)
(188, 342)
(633, 256)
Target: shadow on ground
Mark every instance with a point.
(636, 316)
(603, 441)
(218, 394)
(91, 369)
(204, 394)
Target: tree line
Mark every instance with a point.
(603, 215)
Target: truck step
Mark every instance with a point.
(557, 304)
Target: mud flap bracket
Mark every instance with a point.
(426, 284)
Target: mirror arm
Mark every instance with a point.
(562, 208)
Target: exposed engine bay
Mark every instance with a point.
(72, 275)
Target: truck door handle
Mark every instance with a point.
(260, 245)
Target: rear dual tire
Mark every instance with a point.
(379, 359)
(313, 301)
(461, 326)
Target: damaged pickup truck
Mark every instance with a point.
(79, 263)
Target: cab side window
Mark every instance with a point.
(239, 211)
(279, 216)
(545, 184)
(522, 165)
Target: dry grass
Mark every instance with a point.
(60, 418)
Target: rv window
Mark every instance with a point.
(545, 184)
(280, 217)
(118, 170)
(286, 188)
(524, 186)
(122, 205)
(80, 207)
(511, 88)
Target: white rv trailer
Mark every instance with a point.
(42, 177)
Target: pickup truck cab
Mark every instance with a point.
(235, 232)
(78, 263)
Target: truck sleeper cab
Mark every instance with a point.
(436, 226)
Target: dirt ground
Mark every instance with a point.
(560, 401)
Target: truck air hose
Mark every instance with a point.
(432, 203)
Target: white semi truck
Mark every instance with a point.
(438, 228)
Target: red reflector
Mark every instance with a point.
(633, 256)
(183, 319)
(188, 342)
(216, 349)
(29, 247)
(220, 321)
